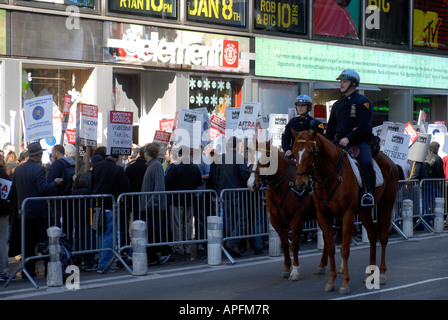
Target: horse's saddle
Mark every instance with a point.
(379, 180)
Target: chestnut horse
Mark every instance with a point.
(336, 194)
(285, 211)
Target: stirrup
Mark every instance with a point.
(367, 200)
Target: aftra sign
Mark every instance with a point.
(179, 52)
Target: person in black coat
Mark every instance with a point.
(182, 175)
(108, 178)
(5, 213)
(29, 180)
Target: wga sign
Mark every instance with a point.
(373, 12)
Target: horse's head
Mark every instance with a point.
(304, 150)
(264, 163)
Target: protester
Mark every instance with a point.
(5, 213)
(29, 181)
(59, 167)
(108, 178)
(11, 162)
(183, 175)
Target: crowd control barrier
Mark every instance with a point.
(86, 222)
(100, 224)
(175, 218)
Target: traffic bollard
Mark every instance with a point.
(214, 240)
(54, 267)
(407, 215)
(275, 247)
(439, 211)
(139, 255)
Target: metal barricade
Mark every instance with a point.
(244, 215)
(174, 218)
(430, 190)
(86, 221)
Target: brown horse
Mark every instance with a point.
(285, 211)
(336, 194)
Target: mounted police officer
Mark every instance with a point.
(350, 124)
(303, 121)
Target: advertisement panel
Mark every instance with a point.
(166, 9)
(389, 25)
(338, 19)
(171, 48)
(324, 62)
(431, 25)
(287, 16)
(229, 13)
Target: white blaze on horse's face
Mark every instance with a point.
(252, 177)
(301, 177)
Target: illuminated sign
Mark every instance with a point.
(224, 12)
(280, 15)
(151, 8)
(314, 61)
(430, 24)
(152, 46)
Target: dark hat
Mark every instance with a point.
(35, 148)
(96, 158)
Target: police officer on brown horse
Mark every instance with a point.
(303, 121)
(350, 124)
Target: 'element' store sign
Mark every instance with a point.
(142, 45)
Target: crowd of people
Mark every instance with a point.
(145, 171)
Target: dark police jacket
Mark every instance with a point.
(299, 124)
(351, 117)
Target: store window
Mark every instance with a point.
(277, 96)
(56, 4)
(216, 94)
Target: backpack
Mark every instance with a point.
(68, 174)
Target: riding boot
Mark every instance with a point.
(367, 199)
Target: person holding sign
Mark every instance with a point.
(350, 124)
(5, 212)
(302, 122)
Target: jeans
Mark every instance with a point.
(105, 239)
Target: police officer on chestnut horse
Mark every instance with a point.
(350, 124)
(303, 121)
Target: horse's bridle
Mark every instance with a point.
(311, 171)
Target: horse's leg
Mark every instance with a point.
(347, 235)
(284, 243)
(297, 228)
(367, 221)
(384, 222)
(327, 230)
(323, 262)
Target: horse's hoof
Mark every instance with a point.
(319, 271)
(343, 291)
(285, 275)
(293, 277)
(383, 279)
(329, 288)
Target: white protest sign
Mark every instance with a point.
(232, 116)
(396, 147)
(434, 128)
(119, 133)
(163, 139)
(277, 123)
(390, 126)
(5, 188)
(4, 134)
(86, 124)
(38, 118)
(248, 116)
(418, 150)
(442, 139)
(190, 126)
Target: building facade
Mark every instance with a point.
(153, 57)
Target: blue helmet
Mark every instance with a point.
(351, 75)
(304, 99)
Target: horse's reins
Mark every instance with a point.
(311, 172)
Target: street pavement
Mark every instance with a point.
(417, 270)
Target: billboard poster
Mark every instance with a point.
(338, 19)
(288, 16)
(227, 12)
(389, 25)
(431, 25)
(165, 9)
